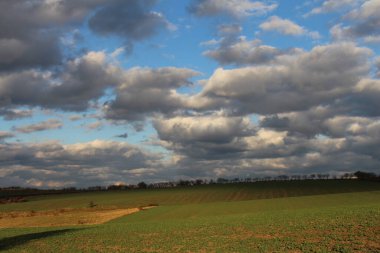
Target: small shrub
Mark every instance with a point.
(91, 204)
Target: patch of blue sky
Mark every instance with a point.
(255, 119)
(38, 117)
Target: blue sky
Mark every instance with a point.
(98, 92)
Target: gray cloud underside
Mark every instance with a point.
(203, 146)
(234, 49)
(34, 37)
(140, 92)
(363, 22)
(73, 88)
(12, 114)
(41, 126)
(52, 164)
(26, 43)
(243, 53)
(132, 20)
(325, 75)
(234, 8)
(220, 146)
(145, 91)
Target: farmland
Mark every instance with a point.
(297, 216)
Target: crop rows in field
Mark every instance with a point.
(311, 216)
(188, 195)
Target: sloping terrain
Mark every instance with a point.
(338, 222)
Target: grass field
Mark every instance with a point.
(304, 216)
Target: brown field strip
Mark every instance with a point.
(62, 217)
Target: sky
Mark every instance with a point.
(101, 92)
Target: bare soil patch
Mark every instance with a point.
(62, 217)
(11, 200)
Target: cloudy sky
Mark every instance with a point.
(97, 92)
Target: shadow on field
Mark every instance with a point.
(10, 242)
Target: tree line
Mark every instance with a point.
(359, 175)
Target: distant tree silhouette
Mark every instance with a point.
(142, 185)
(222, 180)
(117, 187)
(366, 175)
(199, 182)
(185, 183)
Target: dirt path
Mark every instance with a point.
(63, 217)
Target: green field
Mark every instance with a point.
(298, 216)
